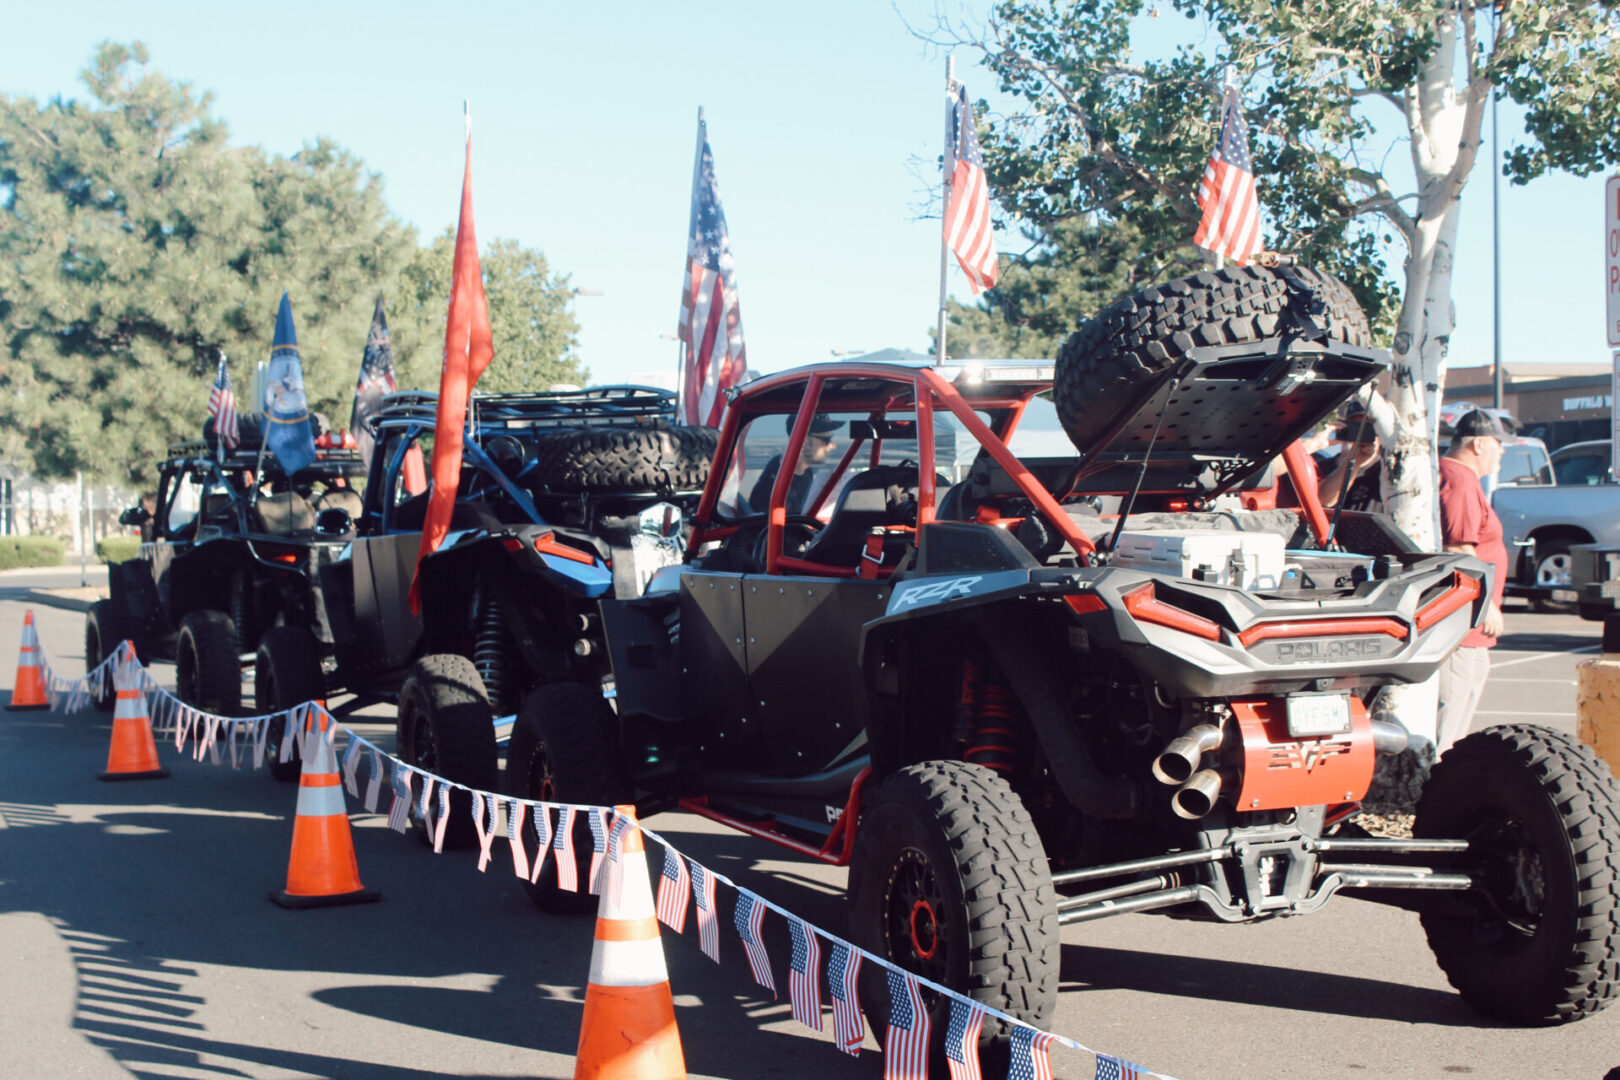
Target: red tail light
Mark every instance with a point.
(1318, 627)
(1085, 603)
(1144, 605)
(548, 544)
(1464, 590)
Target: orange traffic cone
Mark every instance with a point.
(628, 1031)
(28, 692)
(132, 755)
(322, 871)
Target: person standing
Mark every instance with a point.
(1469, 525)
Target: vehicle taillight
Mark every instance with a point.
(1322, 627)
(548, 544)
(1464, 590)
(1143, 604)
(1085, 603)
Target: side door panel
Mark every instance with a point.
(714, 671)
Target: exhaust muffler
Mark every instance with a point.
(1198, 795)
(1177, 763)
(1389, 737)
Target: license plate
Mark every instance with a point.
(1318, 714)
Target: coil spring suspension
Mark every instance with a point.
(490, 651)
(984, 719)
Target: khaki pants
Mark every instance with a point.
(1462, 682)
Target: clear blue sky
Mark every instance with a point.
(824, 120)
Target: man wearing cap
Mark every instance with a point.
(1469, 525)
(818, 443)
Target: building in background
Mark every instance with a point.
(1558, 403)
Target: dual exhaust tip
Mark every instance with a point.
(1199, 789)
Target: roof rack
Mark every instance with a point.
(627, 405)
(327, 460)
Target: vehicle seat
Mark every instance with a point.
(886, 495)
(284, 513)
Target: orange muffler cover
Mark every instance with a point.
(1280, 771)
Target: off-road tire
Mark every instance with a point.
(996, 937)
(445, 727)
(1540, 806)
(208, 668)
(103, 630)
(564, 749)
(596, 461)
(286, 672)
(1103, 366)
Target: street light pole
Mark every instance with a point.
(1496, 249)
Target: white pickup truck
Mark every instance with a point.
(1547, 511)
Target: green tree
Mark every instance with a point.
(533, 329)
(136, 245)
(1327, 87)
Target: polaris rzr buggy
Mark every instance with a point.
(1013, 692)
(230, 552)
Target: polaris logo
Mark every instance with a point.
(1322, 650)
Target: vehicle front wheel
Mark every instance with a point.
(1535, 941)
(949, 880)
(564, 749)
(103, 630)
(446, 728)
(286, 672)
(208, 671)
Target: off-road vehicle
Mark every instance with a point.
(230, 552)
(1072, 686)
(564, 498)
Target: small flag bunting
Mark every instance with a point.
(674, 890)
(804, 974)
(749, 917)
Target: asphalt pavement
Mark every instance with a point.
(136, 939)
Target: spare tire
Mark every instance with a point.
(604, 461)
(1104, 367)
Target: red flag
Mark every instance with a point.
(467, 352)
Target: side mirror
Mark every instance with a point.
(662, 520)
(135, 515)
(333, 521)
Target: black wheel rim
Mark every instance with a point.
(185, 675)
(915, 928)
(1513, 881)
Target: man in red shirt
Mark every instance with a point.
(1469, 525)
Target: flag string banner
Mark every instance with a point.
(683, 877)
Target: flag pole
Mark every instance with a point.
(949, 163)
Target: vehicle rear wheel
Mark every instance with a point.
(208, 668)
(1554, 570)
(1536, 941)
(1103, 367)
(949, 880)
(286, 672)
(445, 727)
(564, 749)
(103, 630)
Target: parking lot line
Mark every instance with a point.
(1544, 655)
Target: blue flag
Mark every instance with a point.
(287, 432)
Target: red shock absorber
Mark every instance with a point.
(992, 742)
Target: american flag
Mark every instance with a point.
(748, 918)
(1029, 1060)
(968, 228)
(843, 969)
(563, 844)
(804, 975)
(708, 929)
(615, 854)
(351, 767)
(1231, 223)
(374, 780)
(399, 813)
(515, 813)
(711, 334)
(424, 799)
(1108, 1068)
(597, 818)
(674, 889)
(542, 831)
(222, 408)
(962, 1040)
(486, 814)
(443, 819)
(376, 379)
(905, 1046)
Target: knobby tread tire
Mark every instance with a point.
(573, 727)
(210, 671)
(445, 691)
(1571, 967)
(596, 461)
(103, 630)
(286, 672)
(1104, 365)
(1012, 958)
